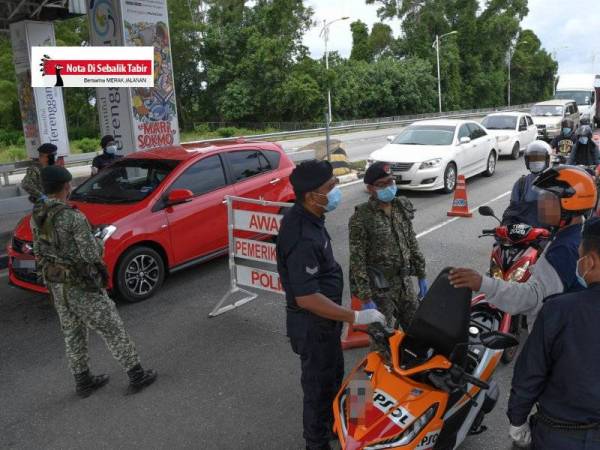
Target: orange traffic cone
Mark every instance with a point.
(460, 207)
(353, 338)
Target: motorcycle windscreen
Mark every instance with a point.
(548, 205)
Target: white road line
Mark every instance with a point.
(454, 219)
(350, 183)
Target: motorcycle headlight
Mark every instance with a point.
(496, 272)
(519, 272)
(409, 434)
(103, 232)
(430, 164)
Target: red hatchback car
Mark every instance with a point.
(159, 211)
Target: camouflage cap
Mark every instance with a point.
(377, 171)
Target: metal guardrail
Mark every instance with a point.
(382, 122)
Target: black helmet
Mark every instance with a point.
(567, 123)
(584, 130)
(538, 151)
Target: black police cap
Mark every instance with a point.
(105, 140)
(309, 175)
(591, 228)
(55, 174)
(47, 148)
(376, 171)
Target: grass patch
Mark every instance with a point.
(201, 133)
(359, 166)
(14, 153)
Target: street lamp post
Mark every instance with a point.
(555, 57)
(511, 52)
(436, 44)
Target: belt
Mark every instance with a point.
(565, 426)
(403, 272)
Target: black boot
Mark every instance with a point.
(85, 383)
(139, 379)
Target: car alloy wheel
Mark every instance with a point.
(450, 178)
(491, 164)
(516, 151)
(140, 273)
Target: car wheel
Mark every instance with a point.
(140, 272)
(450, 178)
(491, 164)
(516, 151)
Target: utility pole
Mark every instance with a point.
(436, 44)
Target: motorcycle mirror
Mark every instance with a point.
(497, 340)
(488, 212)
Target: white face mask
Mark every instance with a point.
(537, 166)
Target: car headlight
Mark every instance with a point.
(518, 274)
(409, 434)
(104, 232)
(430, 164)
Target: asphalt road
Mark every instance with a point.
(224, 383)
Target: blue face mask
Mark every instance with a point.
(583, 140)
(387, 194)
(566, 131)
(334, 197)
(580, 277)
(110, 149)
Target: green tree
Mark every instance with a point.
(381, 40)
(361, 47)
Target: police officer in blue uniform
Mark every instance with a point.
(560, 362)
(108, 156)
(313, 284)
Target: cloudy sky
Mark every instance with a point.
(558, 24)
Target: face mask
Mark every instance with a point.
(334, 197)
(583, 140)
(537, 166)
(387, 194)
(580, 277)
(566, 131)
(51, 159)
(110, 150)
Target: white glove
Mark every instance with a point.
(521, 436)
(368, 316)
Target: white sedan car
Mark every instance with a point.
(513, 130)
(428, 155)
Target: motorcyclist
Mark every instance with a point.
(563, 143)
(568, 195)
(585, 151)
(523, 200)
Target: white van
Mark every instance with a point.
(581, 88)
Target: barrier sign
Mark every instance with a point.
(250, 250)
(256, 221)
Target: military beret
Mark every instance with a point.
(47, 148)
(591, 228)
(309, 175)
(105, 140)
(55, 174)
(377, 171)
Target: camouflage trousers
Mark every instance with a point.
(79, 310)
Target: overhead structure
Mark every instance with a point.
(43, 10)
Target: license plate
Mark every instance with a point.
(24, 264)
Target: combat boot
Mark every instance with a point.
(139, 379)
(85, 383)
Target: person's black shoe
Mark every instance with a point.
(139, 379)
(86, 384)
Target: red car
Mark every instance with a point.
(159, 211)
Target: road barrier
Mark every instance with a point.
(259, 224)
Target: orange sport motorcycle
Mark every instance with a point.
(427, 388)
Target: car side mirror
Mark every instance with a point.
(177, 196)
(465, 140)
(390, 139)
(497, 340)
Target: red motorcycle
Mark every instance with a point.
(517, 248)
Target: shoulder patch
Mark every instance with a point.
(312, 270)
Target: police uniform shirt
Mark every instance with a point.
(305, 259)
(559, 365)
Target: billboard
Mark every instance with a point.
(42, 108)
(139, 118)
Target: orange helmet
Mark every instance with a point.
(574, 188)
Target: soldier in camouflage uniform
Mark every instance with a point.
(32, 182)
(70, 261)
(382, 237)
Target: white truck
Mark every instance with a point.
(581, 88)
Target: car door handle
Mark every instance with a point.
(275, 181)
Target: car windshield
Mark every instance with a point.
(426, 135)
(547, 110)
(580, 97)
(126, 181)
(500, 122)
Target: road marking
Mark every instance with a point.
(351, 183)
(454, 219)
